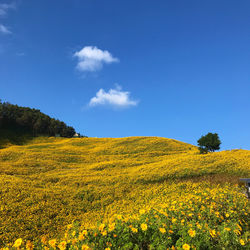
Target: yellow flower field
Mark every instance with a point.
(161, 189)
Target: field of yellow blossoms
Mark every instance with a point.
(124, 193)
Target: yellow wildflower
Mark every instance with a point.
(111, 227)
(62, 245)
(162, 230)
(213, 233)
(81, 237)
(29, 245)
(52, 243)
(186, 247)
(101, 227)
(104, 233)
(191, 232)
(142, 211)
(18, 243)
(134, 230)
(85, 247)
(242, 242)
(144, 227)
(119, 217)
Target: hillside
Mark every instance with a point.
(49, 182)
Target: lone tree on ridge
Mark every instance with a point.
(209, 143)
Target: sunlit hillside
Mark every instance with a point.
(50, 182)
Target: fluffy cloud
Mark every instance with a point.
(114, 97)
(91, 58)
(4, 7)
(4, 29)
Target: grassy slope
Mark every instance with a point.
(57, 180)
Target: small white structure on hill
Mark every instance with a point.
(76, 135)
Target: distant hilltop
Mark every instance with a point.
(18, 122)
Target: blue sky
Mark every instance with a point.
(176, 69)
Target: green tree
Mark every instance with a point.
(209, 143)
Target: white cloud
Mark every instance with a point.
(114, 97)
(4, 29)
(91, 58)
(4, 7)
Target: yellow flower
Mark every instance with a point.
(227, 229)
(74, 241)
(107, 248)
(142, 211)
(144, 227)
(81, 236)
(173, 220)
(213, 233)
(227, 215)
(101, 227)
(119, 217)
(62, 245)
(242, 242)
(18, 243)
(186, 247)
(111, 227)
(134, 230)
(85, 247)
(53, 243)
(191, 232)
(171, 232)
(29, 245)
(104, 233)
(162, 230)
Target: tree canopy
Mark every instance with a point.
(32, 121)
(209, 143)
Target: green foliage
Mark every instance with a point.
(31, 121)
(209, 143)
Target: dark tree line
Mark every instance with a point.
(32, 121)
